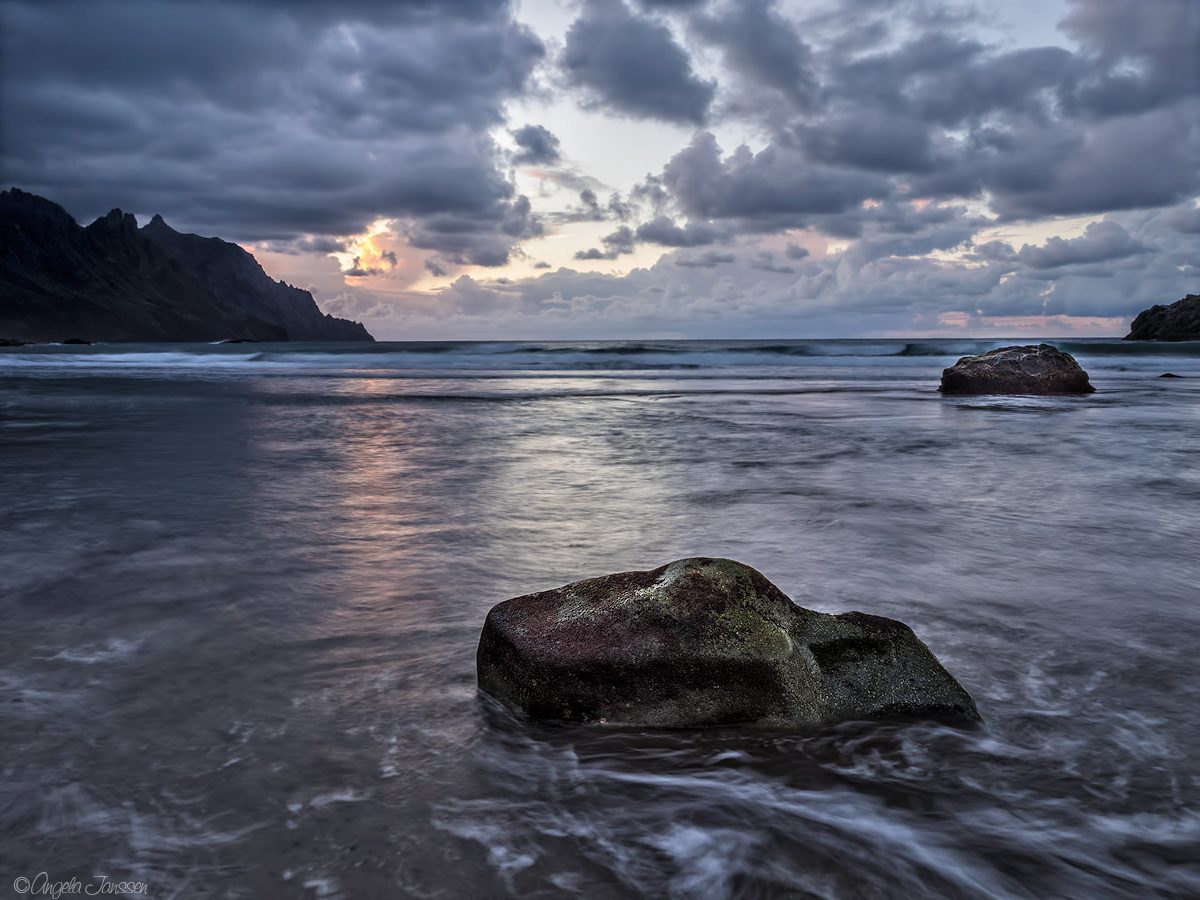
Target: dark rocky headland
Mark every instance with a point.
(113, 281)
(1030, 369)
(705, 642)
(1178, 322)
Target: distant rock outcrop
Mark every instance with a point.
(1043, 369)
(1178, 322)
(703, 642)
(112, 281)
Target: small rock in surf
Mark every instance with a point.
(1041, 369)
(706, 642)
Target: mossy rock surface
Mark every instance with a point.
(705, 642)
(1030, 369)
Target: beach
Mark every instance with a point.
(243, 587)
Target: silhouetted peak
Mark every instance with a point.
(159, 226)
(16, 204)
(115, 221)
(114, 281)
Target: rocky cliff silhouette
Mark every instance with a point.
(112, 281)
(1178, 322)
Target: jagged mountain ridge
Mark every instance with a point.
(111, 281)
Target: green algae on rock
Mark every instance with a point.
(705, 642)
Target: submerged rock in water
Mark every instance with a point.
(1178, 322)
(702, 642)
(1043, 369)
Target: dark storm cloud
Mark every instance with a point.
(1184, 219)
(884, 100)
(1142, 54)
(707, 260)
(591, 206)
(358, 270)
(270, 120)
(663, 230)
(882, 142)
(538, 145)
(761, 45)
(620, 241)
(1102, 241)
(764, 261)
(321, 244)
(946, 79)
(633, 65)
(1128, 163)
(481, 238)
(775, 188)
(671, 5)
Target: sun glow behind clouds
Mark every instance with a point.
(361, 252)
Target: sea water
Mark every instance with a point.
(242, 586)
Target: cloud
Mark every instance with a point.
(358, 270)
(663, 230)
(591, 206)
(322, 244)
(671, 5)
(890, 126)
(269, 120)
(538, 145)
(764, 261)
(763, 47)
(1140, 56)
(876, 142)
(890, 113)
(1148, 160)
(481, 237)
(706, 260)
(620, 241)
(632, 65)
(1100, 242)
(869, 288)
(1184, 219)
(776, 188)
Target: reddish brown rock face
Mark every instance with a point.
(1040, 369)
(704, 642)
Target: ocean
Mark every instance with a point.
(242, 588)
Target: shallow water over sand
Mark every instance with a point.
(242, 589)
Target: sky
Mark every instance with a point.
(613, 169)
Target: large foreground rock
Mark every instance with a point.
(705, 642)
(1178, 322)
(1043, 369)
